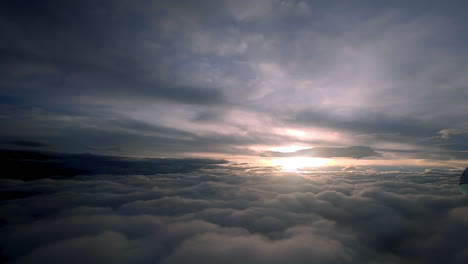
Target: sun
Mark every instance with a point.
(296, 163)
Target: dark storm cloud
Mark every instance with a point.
(31, 165)
(31, 144)
(356, 152)
(83, 48)
(231, 216)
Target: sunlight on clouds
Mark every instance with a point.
(315, 133)
(287, 149)
(297, 133)
(296, 163)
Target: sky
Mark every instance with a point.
(233, 131)
(345, 83)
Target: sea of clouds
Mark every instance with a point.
(230, 214)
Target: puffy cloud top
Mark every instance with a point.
(229, 215)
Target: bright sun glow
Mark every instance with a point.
(295, 163)
(288, 148)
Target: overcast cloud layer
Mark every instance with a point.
(187, 78)
(235, 214)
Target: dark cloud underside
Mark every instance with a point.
(226, 77)
(25, 165)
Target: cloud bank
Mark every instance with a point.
(236, 214)
(356, 152)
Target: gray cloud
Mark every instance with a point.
(26, 165)
(85, 63)
(447, 133)
(230, 215)
(30, 144)
(356, 152)
(229, 77)
(372, 123)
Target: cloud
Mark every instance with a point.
(30, 165)
(371, 123)
(299, 248)
(232, 215)
(447, 133)
(225, 76)
(267, 9)
(94, 68)
(30, 144)
(357, 152)
(101, 248)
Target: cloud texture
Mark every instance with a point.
(212, 78)
(356, 152)
(231, 215)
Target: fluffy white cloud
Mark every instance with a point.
(231, 216)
